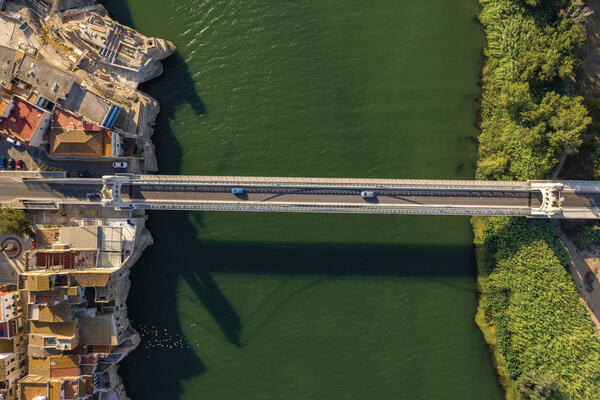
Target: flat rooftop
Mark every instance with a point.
(50, 81)
(7, 56)
(86, 103)
(64, 119)
(22, 121)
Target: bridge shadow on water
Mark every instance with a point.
(178, 255)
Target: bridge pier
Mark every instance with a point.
(111, 190)
(552, 203)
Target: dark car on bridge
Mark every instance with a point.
(92, 195)
(10, 164)
(84, 174)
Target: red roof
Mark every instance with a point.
(62, 118)
(22, 121)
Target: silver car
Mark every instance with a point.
(367, 195)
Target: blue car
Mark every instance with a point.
(237, 191)
(2, 163)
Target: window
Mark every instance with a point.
(52, 362)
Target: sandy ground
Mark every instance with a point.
(585, 270)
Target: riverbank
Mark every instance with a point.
(529, 123)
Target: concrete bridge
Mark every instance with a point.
(542, 199)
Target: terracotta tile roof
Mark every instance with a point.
(75, 143)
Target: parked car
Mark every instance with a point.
(92, 195)
(84, 174)
(2, 163)
(367, 195)
(237, 191)
(14, 142)
(10, 164)
(120, 164)
(19, 164)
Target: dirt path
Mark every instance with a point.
(585, 270)
(588, 84)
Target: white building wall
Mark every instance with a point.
(37, 139)
(9, 309)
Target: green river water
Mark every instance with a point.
(304, 306)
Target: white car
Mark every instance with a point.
(120, 164)
(366, 194)
(15, 142)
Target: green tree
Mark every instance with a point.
(536, 386)
(15, 221)
(561, 118)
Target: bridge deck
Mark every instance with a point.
(578, 199)
(331, 195)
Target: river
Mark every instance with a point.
(304, 306)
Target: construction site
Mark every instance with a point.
(57, 60)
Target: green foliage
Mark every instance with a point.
(15, 221)
(544, 331)
(544, 334)
(536, 386)
(528, 121)
(588, 235)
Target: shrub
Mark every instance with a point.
(544, 331)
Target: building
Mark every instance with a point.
(12, 349)
(23, 122)
(78, 328)
(84, 247)
(72, 136)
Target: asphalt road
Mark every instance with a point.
(323, 195)
(14, 189)
(581, 200)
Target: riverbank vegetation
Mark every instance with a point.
(543, 330)
(540, 333)
(528, 120)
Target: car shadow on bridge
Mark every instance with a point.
(169, 263)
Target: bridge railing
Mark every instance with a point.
(348, 182)
(333, 208)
